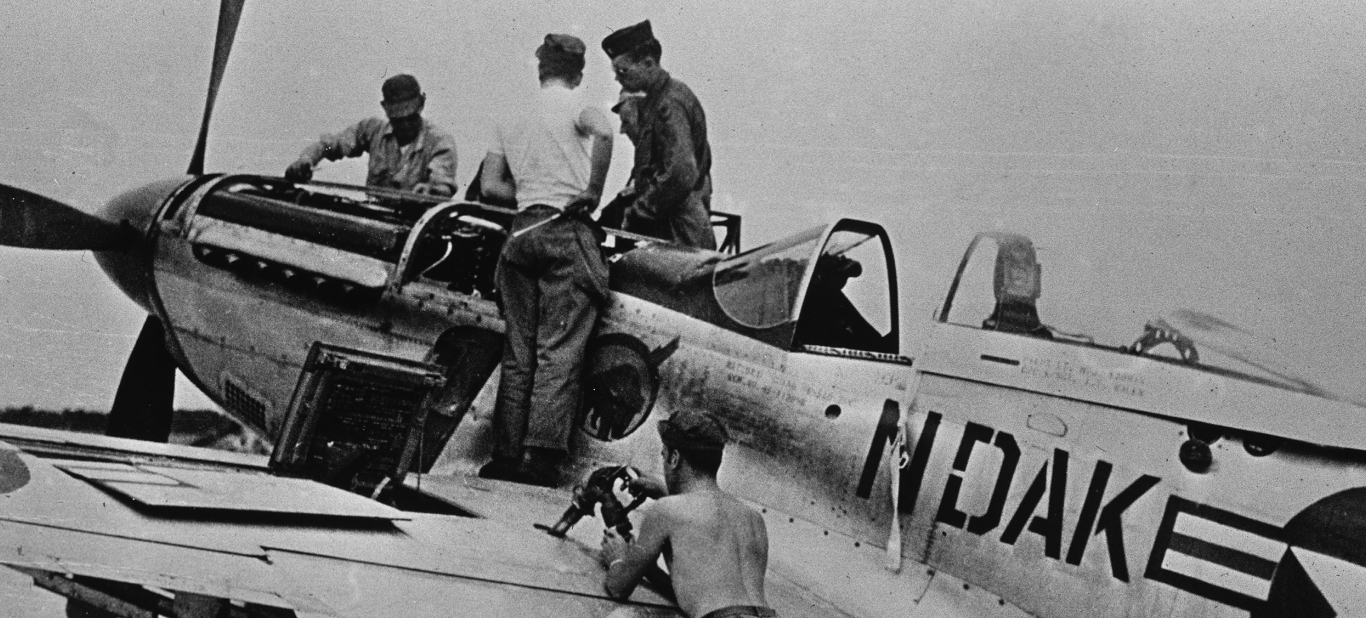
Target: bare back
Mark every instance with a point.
(719, 549)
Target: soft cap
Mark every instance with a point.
(563, 52)
(693, 431)
(402, 96)
(627, 39)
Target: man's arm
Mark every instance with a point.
(627, 563)
(593, 121)
(673, 180)
(353, 141)
(497, 182)
(441, 169)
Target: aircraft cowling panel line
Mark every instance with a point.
(381, 240)
(250, 242)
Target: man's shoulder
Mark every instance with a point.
(671, 504)
(687, 505)
(373, 124)
(436, 132)
(678, 91)
(676, 98)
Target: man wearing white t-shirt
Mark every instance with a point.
(552, 159)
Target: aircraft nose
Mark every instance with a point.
(130, 268)
(136, 208)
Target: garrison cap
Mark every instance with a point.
(693, 431)
(402, 96)
(563, 52)
(627, 39)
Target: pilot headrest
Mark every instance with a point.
(1017, 271)
(691, 430)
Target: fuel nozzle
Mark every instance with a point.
(598, 490)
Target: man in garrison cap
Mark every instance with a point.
(627, 110)
(672, 170)
(551, 158)
(406, 151)
(717, 545)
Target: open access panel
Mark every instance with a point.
(356, 419)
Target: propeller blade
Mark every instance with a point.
(142, 406)
(36, 222)
(229, 13)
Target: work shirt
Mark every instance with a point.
(548, 146)
(672, 169)
(430, 158)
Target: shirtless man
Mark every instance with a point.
(716, 546)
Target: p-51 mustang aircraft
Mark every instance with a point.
(1010, 469)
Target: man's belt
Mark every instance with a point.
(552, 213)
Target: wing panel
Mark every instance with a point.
(477, 549)
(367, 590)
(198, 570)
(216, 490)
(87, 446)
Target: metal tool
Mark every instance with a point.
(598, 490)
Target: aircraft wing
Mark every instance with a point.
(98, 514)
(523, 506)
(192, 522)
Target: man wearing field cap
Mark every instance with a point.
(406, 151)
(627, 110)
(672, 168)
(551, 157)
(718, 545)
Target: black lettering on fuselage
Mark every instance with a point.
(1111, 524)
(885, 431)
(914, 474)
(986, 522)
(1094, 493)
(1051, 479)
(948, 505)
(1048, 526)
(915, 470)
(1096, 516)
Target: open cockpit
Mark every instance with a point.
(999, 288)
(828, 290)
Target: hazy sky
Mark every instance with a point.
(1195, 154)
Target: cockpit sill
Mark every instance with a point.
(1200, 397)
